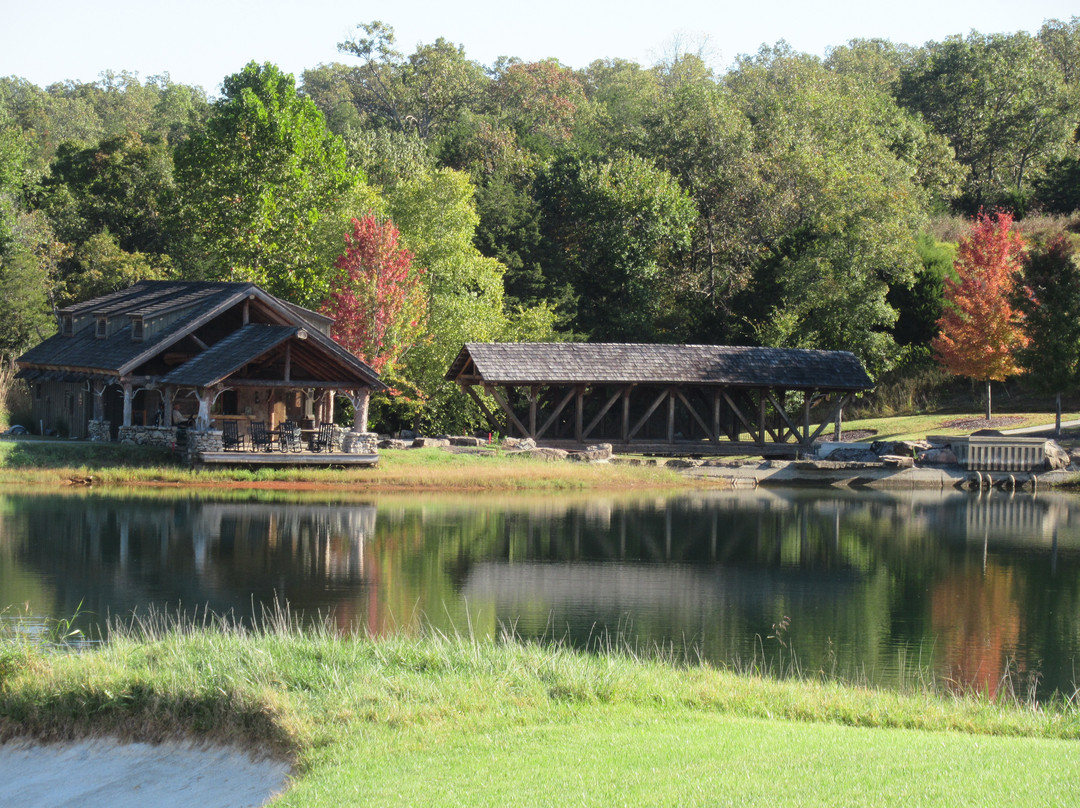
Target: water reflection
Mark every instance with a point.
(980, 591)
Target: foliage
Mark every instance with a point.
(981, 327)
(1050, 302)
(920, 304)
(99, 266)
(378, 301)
(1000, 100)
(612, 229)
(263, 188)
(422, 93)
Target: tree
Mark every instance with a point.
(265, 191)
(422, 93)
(981, 329)
(612, 228)
(378, 301)
(1050, 301)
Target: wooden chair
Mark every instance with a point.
(289, 437)
(231, 439)
(324, 441)
(261, 441)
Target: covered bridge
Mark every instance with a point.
(714, 399)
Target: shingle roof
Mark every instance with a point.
(577, 363)
(84, 350)
(228, 356)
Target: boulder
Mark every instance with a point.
(938, 457)
(426, 443)
(545, 453)
(1056, 457)
(893, 461)
(684, 463)
(394, 443)
(515, 444)
(463, 440)
(593, 454)
(853, 456)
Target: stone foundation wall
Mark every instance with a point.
(142, 435)
(360, 443)
(206, 441)
(99, 431)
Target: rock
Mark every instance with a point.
(898, 461)
(684, 463)
(601, 448)
(394, 443)
(407, 434)
(592, 455)
(518, 443)
(900, 448)
(464, 440)
(1056, 457)
(853, 456)
(938, 457)
(427, 443)
(545, 453)
(1074, 455)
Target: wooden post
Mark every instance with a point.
(166, 421)
(716, 414)
(128, 396)
(202, 420)
(579, 413)
(99, 400)
(534, 394)
(361, 400)
(806, 420)
(838, 430)
(626, 415)
(761, 416)
(670, 418)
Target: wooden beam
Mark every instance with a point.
(738, 413)
(493, 391)
(495, 425)
(806, 419)
(783, 414)
(671, 416)
(648, 413)
(551, 418)
(603, 411)
(534, 394)
(579, 412)
(833, 416)
(626, 414)
(761, 418)
(710, 434)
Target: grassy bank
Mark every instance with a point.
(449, 721)
(51, 463)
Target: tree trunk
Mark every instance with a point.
(988, 402)
(1057, 418)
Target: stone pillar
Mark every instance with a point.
(98, 430)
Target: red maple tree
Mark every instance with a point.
(980, 329)
(378, 301)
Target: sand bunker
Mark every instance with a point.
(104, 773)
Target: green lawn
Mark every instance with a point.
(447, 721)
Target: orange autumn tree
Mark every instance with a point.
(378, 300)
(980, 329)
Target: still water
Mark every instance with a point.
(976, 590)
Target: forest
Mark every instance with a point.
(426, 200)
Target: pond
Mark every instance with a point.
(975, 590)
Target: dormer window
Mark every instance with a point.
(67, 325)
(102, 328)
(136, 329)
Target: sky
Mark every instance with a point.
(201, 41)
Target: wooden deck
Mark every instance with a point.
(313, 459)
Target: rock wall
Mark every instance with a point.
(99, 431)
(142, 435)
(360, 443)
(205, 441)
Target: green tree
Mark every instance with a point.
(422, 93)
(1050, 302)
(612, 229)
(265, 191)
(1000, 100)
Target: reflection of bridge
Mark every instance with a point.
(629, 587)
